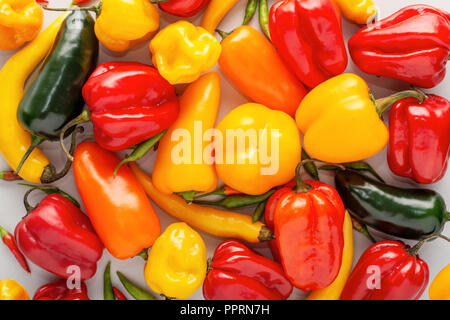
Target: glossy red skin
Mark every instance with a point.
(403, 276)
(130, 102)
(308, 36)
(238, 273)
(411, 45)
(58, 290)
(308, 231)
(269, 214)
(419, 144)
(56, 235)
(183, 8)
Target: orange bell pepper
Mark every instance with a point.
(117, 206)
(253, 64)
(199, 106)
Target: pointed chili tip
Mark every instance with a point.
(9, 176)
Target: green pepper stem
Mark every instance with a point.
(310, 167)
(137, 292)
(414, 250)
(188, 196)
(159, 1)
(265, 234)
(35, 141)
(48, 190)
(301, 187)
(237, 201)
(361, 227)
(143, 254)
(223, 34)
(3, 232)
(97, 8)
(82, 118)
(384, 104)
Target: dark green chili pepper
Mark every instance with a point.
(141, 150)
(54, 96)
(108, 292)
(134, 290)
(404, 213)
(310, 167)
(264, 17)
(259, 211)
(250, 11)
(237, 201)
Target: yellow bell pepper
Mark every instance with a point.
(341, 121)
(12, 290)
(358, 11)
(217, 9)
(122, 24)
(177, 263)
(20, 21)
(182, 52)
(199, 106)
(14, 140)
(259, 150)
(334, 290)
(440, 287)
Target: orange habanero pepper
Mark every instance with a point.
(117, 206)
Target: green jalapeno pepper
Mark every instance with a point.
(54, 96)
(405, 213)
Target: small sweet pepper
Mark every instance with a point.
(440, 287)
(12, 290)
(182, 8)
(358, 11)
(58, 290)
(176, 265)
(182, 52)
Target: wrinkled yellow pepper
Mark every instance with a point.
(122, 24)
(194, 171)
(257, 149)
(182, 52)
(177, 263)
(440, 287)
(358, 11)
(12, 290)
(334, 290)
(20, 21)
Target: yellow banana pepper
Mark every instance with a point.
(217, 9)
(20, 21)
(440, 287)
(341, 121)
(14, 140)
(334, 290)
(12, 290)
(182, 52)
(199, 106)
(121, 24)
(257, 149)
(177, 263)
(358, 11)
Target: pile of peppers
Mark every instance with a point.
(300, 102)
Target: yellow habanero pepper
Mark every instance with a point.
(12, 290)
(199, 106)
(341, 121)
(358, 11)
(14, 140)
(334, 290)
(177, 263)
(20, 21)
(257, 149)
(121, 24)
(182, 52)
(217, 9)
(440, 287)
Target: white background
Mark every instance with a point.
(437, 253)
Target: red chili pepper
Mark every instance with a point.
(130, 102)
(183, 8)
(56, 234)
(119, 295)
(411, 45)
(419, 144)
(78, 2)
(309, 233)
(308, 36)
(10, 242)
(238, 273)
(58, 290)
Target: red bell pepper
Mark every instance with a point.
(238, 273)
(56, 234)
(309, 233)
(130, 102)
(58, 290)
(308, 36)
(9, 240)
(183, 8)
(412, 45)
(419, 144)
